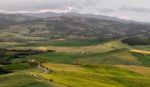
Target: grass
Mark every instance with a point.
(54, 57)
(9, 43)
(63, 67)
(20, 80)
(99, 47)
(111, 57)
(69, 42)
(37, 84)
(142, 47)
(138, 69)
(19, 36)
(94, 75)
(121, 56)
(143, 58)
(86, 64)
(20, 66)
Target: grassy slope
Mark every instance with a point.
(20, 80)
(19, 36)
(121, 56)
(143, 58)
(142, 47)
(68, 43)
(91, 45)
(55, 57)
(94, 75)
(91, 75)
(138, 69)
(16, 67)
(113, 52)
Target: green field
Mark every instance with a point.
(94, 75)
(20, 80)
(67, 42)
(79, 63)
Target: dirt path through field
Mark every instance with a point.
(49, 81)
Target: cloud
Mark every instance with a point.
(68, 9)
(126, 9)
(105, 10)
(135, 9)
(20, 5)
(45, 5)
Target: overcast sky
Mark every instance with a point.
(138, 10)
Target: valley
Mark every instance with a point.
(73, 51)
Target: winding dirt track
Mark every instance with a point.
(45, 71)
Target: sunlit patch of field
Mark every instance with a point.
(138, 69)
(102, 47)
(20, 80)
(88, 49)
(121, 56)
(97, 48)
(93, 75)
(9, 43)
(19, 36)
(116, 44)
(139, 51)
(63, 67)
(95, 67)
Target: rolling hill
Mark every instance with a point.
(77, 27)
(12, 19)
(72, 50)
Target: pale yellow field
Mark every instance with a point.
(139, 51)
(116, 44)
(105, 47)
(9, 43)
(90, 49)
(63, 67)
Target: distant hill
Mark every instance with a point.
(52, 14)
(9, 19)
(70, 26)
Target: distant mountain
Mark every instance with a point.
(51, 14)
(7, 19)
(78, 27)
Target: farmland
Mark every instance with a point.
(107, 64)
(39, 48)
